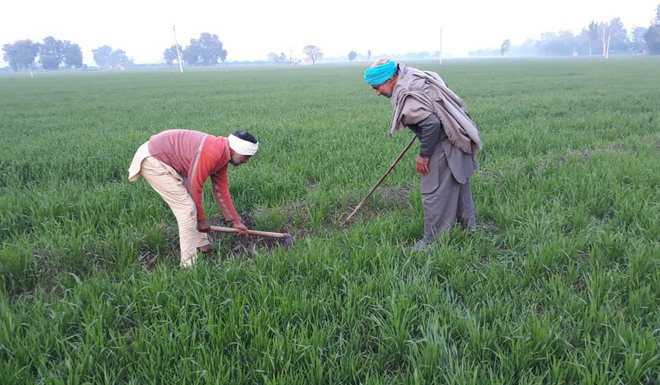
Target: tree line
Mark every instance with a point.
(205, 51)
(601, 39)
(53, 54)
(596, 39)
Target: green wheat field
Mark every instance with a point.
(560, 284)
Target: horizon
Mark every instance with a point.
(147, 30)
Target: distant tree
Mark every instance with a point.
(617, 36)
(637, 44)
(51, 53)
(171, 55)
(652, 35)
(352, 55)
(313, 52)
(102, 56)
(652, 39)
(368, 55)
(211, 48)
(105, 57)
(21, 54)
(54, 54)
(206, 50)
(505, 47)
(73, 57)
(191, 55)
(560, 43)
(593, 33)
(223, 55)
(277, 59)
(119, 59)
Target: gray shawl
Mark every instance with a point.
(417, 94)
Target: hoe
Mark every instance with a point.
(285, 239)
(349, 219)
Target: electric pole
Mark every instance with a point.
(178, 52)
(440, 45)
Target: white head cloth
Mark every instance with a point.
(241, 146)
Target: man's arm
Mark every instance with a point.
(429, 131)
(220, 183)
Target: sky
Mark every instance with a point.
(250, 29)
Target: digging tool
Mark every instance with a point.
(348, 219)
(286, 239)
(251, 232)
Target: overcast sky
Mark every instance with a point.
(250, 29)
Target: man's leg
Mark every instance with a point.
(466, 212)
(173, 191)
(440, 206)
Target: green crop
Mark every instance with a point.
(560, 284)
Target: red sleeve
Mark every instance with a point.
(220, 182)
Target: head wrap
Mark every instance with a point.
(242, 147)
(378, 75)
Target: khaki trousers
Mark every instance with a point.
(170, 185)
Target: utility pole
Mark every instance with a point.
(440, 45)
(606, 40)
(178, 52)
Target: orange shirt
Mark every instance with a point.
(197, 156)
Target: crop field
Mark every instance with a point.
(560, 284)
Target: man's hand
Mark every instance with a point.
(237, 224)
(422, 165)
(203, 226)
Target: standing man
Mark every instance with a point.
(448, 138)
(177, 163)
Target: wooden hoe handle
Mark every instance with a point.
(250, 232)
(398, 158)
